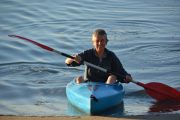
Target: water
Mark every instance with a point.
(143, 34)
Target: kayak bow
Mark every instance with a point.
(94, 97)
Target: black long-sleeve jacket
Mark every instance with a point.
(110, 62)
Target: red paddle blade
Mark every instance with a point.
(161, 92)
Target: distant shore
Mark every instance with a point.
(132, 117)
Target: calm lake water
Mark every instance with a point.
(143, 34)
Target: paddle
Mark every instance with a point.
(158, 91)
(42, 46)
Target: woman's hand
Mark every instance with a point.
(128, 79)
(76, 59)
(69, 61)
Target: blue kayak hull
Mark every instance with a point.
(93, 97)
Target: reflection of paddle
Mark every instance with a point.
(156, 90)
(165, 107)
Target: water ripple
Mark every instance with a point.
(143, 34)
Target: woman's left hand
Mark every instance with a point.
(128, 79)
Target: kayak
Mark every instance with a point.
(94, 97)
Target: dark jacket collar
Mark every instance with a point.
(106, 51)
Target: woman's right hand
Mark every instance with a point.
(69, 61)
(76, 59)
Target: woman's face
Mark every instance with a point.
(99, 42)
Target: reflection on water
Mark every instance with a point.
(166, 106)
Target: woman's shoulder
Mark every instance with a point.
(87, 54)
(110, 53)
(88, 51)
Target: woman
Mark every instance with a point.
(100, 56)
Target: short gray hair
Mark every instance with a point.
(100, 32)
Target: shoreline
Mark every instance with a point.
(131, 117)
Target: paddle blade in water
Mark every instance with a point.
(161, 92)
